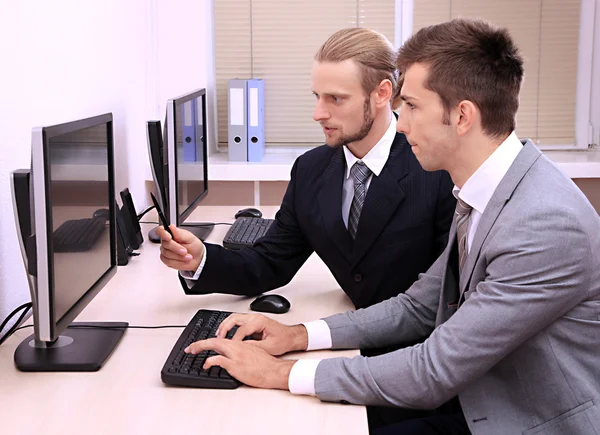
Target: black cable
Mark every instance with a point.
(195, 225)
(125, 327)
(13, 328)
(112, 327)
(211, 224)
(25, 306)
(141, 215)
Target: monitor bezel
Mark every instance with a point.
(173, 178)
(48, 327)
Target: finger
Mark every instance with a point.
(163, 234)
(173, 246)
(176, 263)
(244, 331)
(217, 344)
(182, 236)
(217, 360)
(229, 322)
(178, 256)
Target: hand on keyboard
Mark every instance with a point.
(269, 335)
(246, 363)
(183, 252)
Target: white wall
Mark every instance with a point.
(184, 56)
(69, 59)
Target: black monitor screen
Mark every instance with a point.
(192, 182)
(79, 200)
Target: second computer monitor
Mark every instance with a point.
(187, 157)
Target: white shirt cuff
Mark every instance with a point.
(319, 335)
(187, 275)
(302, 377)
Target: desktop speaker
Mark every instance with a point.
(134, 231)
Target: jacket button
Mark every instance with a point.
(358, 277)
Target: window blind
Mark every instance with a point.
(547, 32)
(276, 41)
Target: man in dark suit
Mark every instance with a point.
(362, 202)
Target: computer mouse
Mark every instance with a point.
(102, 213)
(249, 212)
(271, 304)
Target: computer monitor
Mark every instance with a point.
(187, 160)
(66, 221)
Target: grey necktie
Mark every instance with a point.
(462, 213)
(360, 173)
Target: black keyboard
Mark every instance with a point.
(186, 369)
(78, 235)
(245, 231)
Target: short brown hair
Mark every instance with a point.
(374, 54)
(470, 60)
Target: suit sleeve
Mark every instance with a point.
(271, 263)
(530, 283)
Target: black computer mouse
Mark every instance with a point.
(102, 213)
(271, 304)
(248, 212)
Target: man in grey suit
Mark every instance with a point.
(510, 311)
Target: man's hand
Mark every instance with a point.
(182, 252)
(248, 364)
(269, 335)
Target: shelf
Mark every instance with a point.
(277, 166)
(577, 164)
(273, 167)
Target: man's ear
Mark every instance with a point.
(383, 93)
(468, 113)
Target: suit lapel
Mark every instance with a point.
(330, 203)
(382, 200)
(527, 157)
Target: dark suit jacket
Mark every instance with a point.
(403, 228)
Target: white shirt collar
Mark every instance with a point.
(378, 155)
(479, 188)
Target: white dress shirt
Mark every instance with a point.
(374, 160)
(476, 192)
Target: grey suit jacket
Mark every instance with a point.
(522, 351)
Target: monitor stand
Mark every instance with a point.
(200, 230)
(82, 347)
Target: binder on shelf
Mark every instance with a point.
(189, 132)
(256, 119)
(237, 137)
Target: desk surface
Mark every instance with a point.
(129, 397)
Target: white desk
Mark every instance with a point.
(127, 396)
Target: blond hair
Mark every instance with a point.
(372, 52)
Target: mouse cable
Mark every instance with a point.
(25, 307)
(195, 225)
(83, 326)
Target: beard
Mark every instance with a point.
(367, 124)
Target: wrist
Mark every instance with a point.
(299, 337)
(283, 374)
